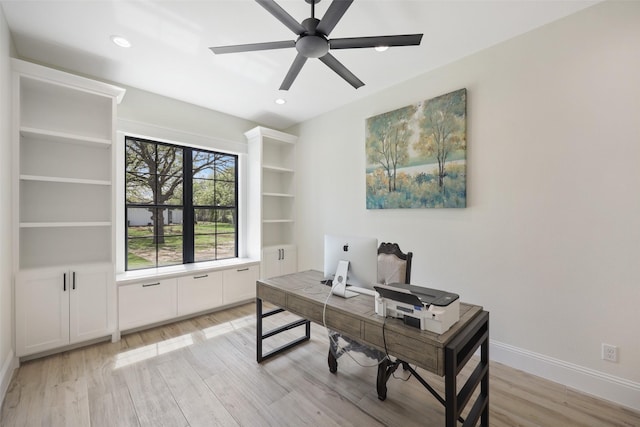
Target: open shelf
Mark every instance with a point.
(64, 180)
(277, 195)
(63, 137)
(64, 224)
(277, 169)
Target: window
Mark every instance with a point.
(181, 204)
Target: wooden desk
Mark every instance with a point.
(445, 354)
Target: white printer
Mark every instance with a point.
(425, 308)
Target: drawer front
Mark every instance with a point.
(199, 292)
(146, 303)
(344, 323)
(239, 284)
(274, 296)
(406, 348)
(302, 307)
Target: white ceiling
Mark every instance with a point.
(170, 54)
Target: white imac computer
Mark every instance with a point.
(351, 263)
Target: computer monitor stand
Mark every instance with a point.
(339, 287)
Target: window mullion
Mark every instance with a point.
(188, 244)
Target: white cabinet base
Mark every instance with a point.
(56, 307)
(154, 301)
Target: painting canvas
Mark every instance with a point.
(416, 155)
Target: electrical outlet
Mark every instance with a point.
(609, 352)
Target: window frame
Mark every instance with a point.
(188, 205)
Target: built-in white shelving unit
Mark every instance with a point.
(63, 206)
(272, 200)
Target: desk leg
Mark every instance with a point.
(259, 330)
(261, 336)
(450, 390)
(457, 354)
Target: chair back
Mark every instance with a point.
(394, 266)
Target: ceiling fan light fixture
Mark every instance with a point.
(314, 46)
(381, 48)
(120, 41)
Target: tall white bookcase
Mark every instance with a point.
(64, 130)
(271, 201)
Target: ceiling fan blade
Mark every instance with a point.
(252, 47)
(341, 70)
(281, 15)
(358, 42)
(333, 14)
(293, 71)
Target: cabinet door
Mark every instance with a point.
(146, 303)
(289, 261)
(199, 292)
(280, 260)
(271, 262)
(239, 284)
(42, 310)
(91, 303)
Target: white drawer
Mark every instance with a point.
(145, 303)
(240, 284)
(199, 292)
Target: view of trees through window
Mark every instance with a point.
(181, 204)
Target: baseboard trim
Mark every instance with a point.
(10, 364)
(586, 380)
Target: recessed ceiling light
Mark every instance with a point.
(381, 48)
(121, 41)
(281, 101)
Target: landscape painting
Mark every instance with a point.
(416, 155)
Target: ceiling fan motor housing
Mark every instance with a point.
(311, 43)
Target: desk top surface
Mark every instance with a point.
(307, 285)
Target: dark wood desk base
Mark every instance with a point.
(458, 351)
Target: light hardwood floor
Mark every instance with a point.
(202, 372)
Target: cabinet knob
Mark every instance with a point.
(64, 282)
(201, 277)
(243, 269)
(73, 286)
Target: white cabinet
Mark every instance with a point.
(199, 292)
(63, 154)
(60, 306)
(279, 260)
(145, 303)
(271, 200)
(240, 284)
(62, 207)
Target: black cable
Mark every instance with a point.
(386, 351)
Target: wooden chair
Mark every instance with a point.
(394, 266)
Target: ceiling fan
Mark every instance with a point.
(313, 40)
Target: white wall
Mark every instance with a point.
(550, 241)
(7, 360)
(167, 113)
